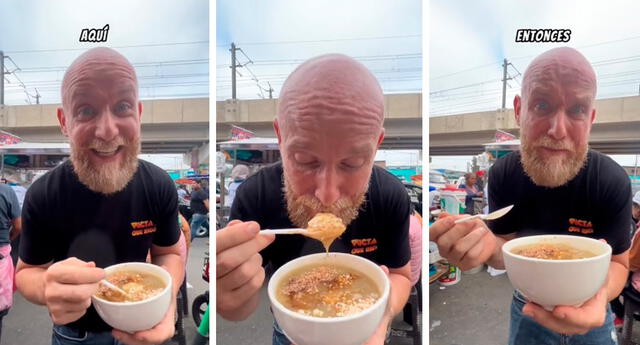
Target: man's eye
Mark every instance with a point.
(86, 112)
(122, 107)
(578, 110)
(354, 163)
(541, 107)
(304, 159)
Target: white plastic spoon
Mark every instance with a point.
(493, 215)
(292, 231)
(113, 287)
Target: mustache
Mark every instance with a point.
(547, 142)
(101, 145)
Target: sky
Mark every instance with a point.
(468, 41)
(166, 41)
(276, 36)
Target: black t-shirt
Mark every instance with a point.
(62, 218)
(197, 201)
(596, 203)
(380, 233)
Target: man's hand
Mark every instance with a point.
(239, 272)
(466, 245)
(69, 285)
(571, 320)
(156, 335)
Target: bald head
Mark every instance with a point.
(330, 89)
(95, 61)
(565, 65)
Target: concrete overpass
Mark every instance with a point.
(615, 131)
(168, 126)
(403, 119)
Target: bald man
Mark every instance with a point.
(329, 126)
(558, 186)
(101, 207)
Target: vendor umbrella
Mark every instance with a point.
(184, 181)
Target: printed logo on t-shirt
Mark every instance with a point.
(142, 228)
(364, 245)
(581, 226)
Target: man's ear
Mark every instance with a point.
(276, 128)
(380, 139)
(139, 110)
(517, 104)
(63, 122)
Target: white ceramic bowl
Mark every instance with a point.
(558, 282)
(345, 330)
(136, 316)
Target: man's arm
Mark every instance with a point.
(16, 228)
(206, 204)
(618, 274)
(169, 257)
(400, 281)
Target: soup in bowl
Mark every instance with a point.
(148, 289)
(553, 270)
(324, 299)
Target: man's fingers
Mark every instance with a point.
(440, 227)
(591, 314)
(447, 240)
(235, 234)
(234, 222)
(232, 300)
(71, 274)
(556, 321)
(230, 259)
(463, 247)
(242, 273)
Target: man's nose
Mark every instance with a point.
(558, 127)
(327, 190)
(106, 126)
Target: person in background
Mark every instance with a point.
(10, 227)
(183, 195)
(239, 173)
(199, 207)
(635, 211)
(472, 192)
(634, 261)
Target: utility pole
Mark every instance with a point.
(504, 83)
(233, 70)
(37, 97)
(1, 78)
(270, 91)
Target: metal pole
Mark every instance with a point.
(504, 83)
(233, 71)
(1, 78)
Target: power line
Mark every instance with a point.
(118, 47)
(323, 41)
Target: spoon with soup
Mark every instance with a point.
(324, 227)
